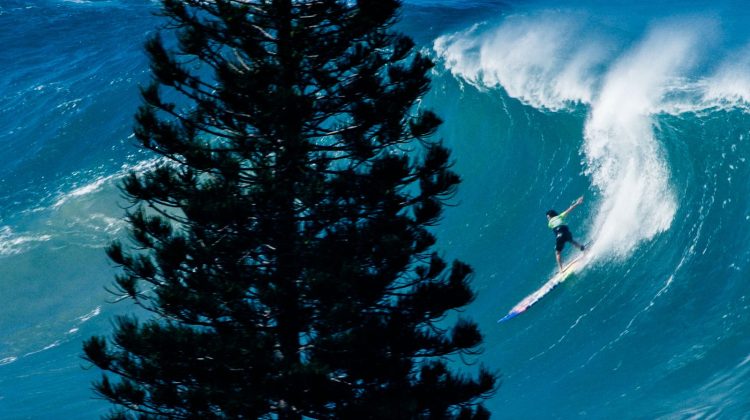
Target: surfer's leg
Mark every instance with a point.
(569, 238)
(560, 240)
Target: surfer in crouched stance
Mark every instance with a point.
(556, 222)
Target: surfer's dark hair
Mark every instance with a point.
(551, 213)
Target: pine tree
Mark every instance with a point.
(283, 242)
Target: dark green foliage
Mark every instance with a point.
(282, 243)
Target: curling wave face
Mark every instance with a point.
(552, 61)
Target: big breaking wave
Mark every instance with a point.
(553, 61)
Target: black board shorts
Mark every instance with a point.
(562, 235)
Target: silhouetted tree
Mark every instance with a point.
(283, 242)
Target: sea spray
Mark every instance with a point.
(730, 84)
(624, 160)
(546, 61)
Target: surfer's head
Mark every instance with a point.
(551, 214)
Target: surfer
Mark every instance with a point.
(556, 222)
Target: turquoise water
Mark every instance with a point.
(641, 107)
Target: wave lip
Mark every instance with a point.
(548, 61)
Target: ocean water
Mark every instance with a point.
(642, 107)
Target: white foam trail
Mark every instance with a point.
(625, 162)
(94, 313)
(101, 182)
(8, 360)
(549, 62)
(47, 347)
(84, 190)
(12, 243)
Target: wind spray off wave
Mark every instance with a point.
(540, 61)
(550, 63)
(625, 161)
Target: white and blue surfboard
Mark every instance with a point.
(571, 268)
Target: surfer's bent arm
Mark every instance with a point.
(572, 206)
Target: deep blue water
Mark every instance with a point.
(640, 106)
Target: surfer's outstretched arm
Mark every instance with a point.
(574, 205)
